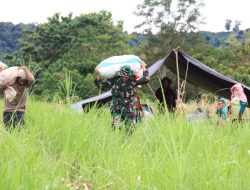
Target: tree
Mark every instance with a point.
(237, 26)
(71, 45)
(171, 23)
(228, 24)
(168, 25)
(9, 36)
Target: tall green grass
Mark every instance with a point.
(60, 149)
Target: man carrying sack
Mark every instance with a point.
(123, 89)
(14, 83)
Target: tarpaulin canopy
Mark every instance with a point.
(202, 76)
(195, 72)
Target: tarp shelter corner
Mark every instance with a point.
(198, 74)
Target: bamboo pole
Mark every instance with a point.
(178, 101)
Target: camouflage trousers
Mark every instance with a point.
(127, 119)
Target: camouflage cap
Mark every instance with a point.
(125, 71)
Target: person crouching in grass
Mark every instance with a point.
(221, 112)
(123, 90)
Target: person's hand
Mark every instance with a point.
(143, 64)
(27, 72)
(97, 74)
(24, 68)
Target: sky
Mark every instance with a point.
(37, 11)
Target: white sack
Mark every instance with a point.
(108, 68)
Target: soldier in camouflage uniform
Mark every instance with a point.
(123, 89)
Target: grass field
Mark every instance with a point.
(60, 149)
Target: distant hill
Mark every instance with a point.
(9, 35)
(224, 38)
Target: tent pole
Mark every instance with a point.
(150, 88)
(183, 86)
(178, 74)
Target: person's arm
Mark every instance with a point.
(30, 77)
(104, 86)
(145, 77)
(3, 86)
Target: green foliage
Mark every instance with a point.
(9, 36)
(76, 45)
(182, 15)
(66, 88)
(71, 44)
(220, 39)
(172, 21)
(232, 61)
